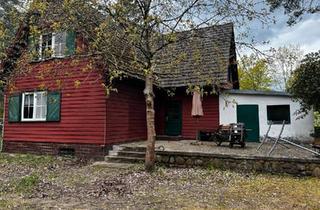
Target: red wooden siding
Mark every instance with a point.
(83, 108)
(209, 121)
(126, 113)
(190, 125)
(89, 117)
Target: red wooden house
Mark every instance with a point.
(44, 115)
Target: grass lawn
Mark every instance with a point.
(41, 182)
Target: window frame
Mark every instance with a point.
(53, 44)
(41, 55)
(287, 122)
(34, 119)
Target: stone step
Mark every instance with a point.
(133, 149)
(131, 154)
(123, 159)
(116, 147)
(169, 138)
(113, 153)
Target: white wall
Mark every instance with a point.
(299, 129)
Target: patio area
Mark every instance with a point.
(203, 147)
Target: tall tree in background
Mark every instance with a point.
(254, 73)
(282, 62)
(295, 9)
(305, 82)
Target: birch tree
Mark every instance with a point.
(282, 62)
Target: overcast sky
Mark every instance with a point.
(306, 33)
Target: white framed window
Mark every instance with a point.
(34, 106)
(52, 45)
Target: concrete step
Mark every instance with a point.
(123, 159)
(131, 154)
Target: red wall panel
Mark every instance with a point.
(83, 107)
(126, 113)
(190, 125)
(209, 121)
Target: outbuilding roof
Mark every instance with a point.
(257, 92)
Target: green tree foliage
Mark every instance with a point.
(10, 17)
(254, 74)
(305, 82)
(295, 8)
(317, 119)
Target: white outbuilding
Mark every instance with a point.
(259, 109)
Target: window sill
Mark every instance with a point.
(32, 120)
(278, 123)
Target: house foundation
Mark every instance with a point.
(87, 151)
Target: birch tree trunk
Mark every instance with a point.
(151, 133)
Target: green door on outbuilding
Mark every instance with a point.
(249, 115)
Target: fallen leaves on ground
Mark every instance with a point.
(60, 183)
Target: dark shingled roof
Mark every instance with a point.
(202, 59)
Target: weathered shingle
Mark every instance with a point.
(202, 59)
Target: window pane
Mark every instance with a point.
(44, 99)
(60, 44)
(30, 114)
(46, 45)
(31, 99)
(38, 99)
(26, 101)
(38, 112)
(28, 106)
(25, 112)
(43, 112)
(41, 105)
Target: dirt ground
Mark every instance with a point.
(41, 182)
